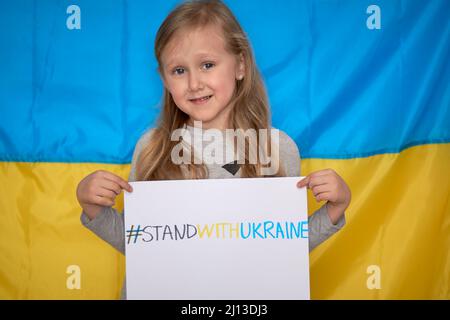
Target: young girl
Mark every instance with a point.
(209, 75)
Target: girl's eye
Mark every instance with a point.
(178, 71)
(208, 65)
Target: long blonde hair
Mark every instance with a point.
(251, 107)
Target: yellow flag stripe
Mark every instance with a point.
(398, 222)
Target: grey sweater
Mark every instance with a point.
(109, 224)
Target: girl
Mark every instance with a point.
(209, 75)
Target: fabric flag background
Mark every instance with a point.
(361, 86)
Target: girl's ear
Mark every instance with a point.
(240, 72)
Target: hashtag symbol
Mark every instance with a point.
(134, 233)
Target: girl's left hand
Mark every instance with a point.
(328, 185)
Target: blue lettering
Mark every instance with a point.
(305, 229)
(255, 231)
(267, 229)
(280, 230)
(242, 231)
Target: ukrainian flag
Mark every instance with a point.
(362, 88)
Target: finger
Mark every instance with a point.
(122, 183)
(318, 180)
(105, 193)
(323, 196)
(106, 202)
(319, 189)
(110, 185)
(303, 182)
(321, 173)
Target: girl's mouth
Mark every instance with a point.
(200, 100)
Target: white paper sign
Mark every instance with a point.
(217, 239)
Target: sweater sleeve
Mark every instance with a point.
(320, 226)
(109, 223)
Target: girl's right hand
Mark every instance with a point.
(98, 190)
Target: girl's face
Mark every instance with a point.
(201, 75)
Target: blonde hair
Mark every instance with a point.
(251, 107)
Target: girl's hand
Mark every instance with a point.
(100, 189)
(328, 185)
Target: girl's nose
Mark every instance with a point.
(195, 82)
